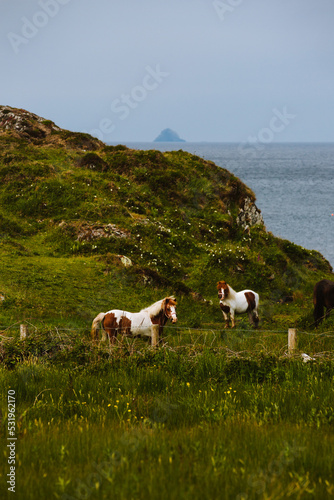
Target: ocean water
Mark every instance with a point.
(293, 184)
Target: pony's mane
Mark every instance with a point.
(155, 308)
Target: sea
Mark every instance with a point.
(293, 184)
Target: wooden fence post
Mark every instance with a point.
(23, 332)
(292, 340)
(155, 335)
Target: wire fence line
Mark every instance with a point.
(261, 333)
(171, 330)
(235, 342)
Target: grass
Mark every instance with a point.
(212, 413)
(169, 424)
(178, 214)
(210, 461)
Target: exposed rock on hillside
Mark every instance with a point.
(249, 214)
(24, 123)
(90, 232)
(33, 128)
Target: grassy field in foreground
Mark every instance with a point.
(168, 423)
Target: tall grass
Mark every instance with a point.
(167, 423)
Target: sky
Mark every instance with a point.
(212, 70)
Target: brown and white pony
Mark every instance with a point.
(135, 324)
(232, 302)
(323, 297)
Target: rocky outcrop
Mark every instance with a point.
(35, 129)
(249, 214)
(91, 232)
(25, 123)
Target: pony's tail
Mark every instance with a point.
(318, 312)
(95, 325)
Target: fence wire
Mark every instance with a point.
(235, 341)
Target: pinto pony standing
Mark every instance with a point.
(135, 324)
(232, 302)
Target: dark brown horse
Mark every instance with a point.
(323, 297)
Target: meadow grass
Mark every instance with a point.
(186, 422)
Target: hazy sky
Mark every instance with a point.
(229, 70)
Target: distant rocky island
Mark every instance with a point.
(168, 135)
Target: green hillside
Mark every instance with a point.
(86, 227)
(71, 209)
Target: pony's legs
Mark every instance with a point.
(328, 310)
(155, 335)
(232, 319)
(110, 327)
(112, 334)
(225, 316)
(225, 310)
(318, 314)
(254, 318)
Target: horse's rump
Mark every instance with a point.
(323, 296)
(118, 322)
(251, 300)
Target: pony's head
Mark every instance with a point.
(223, 289)
(170, 308)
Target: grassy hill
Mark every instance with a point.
(72, 207)
(85, 227)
